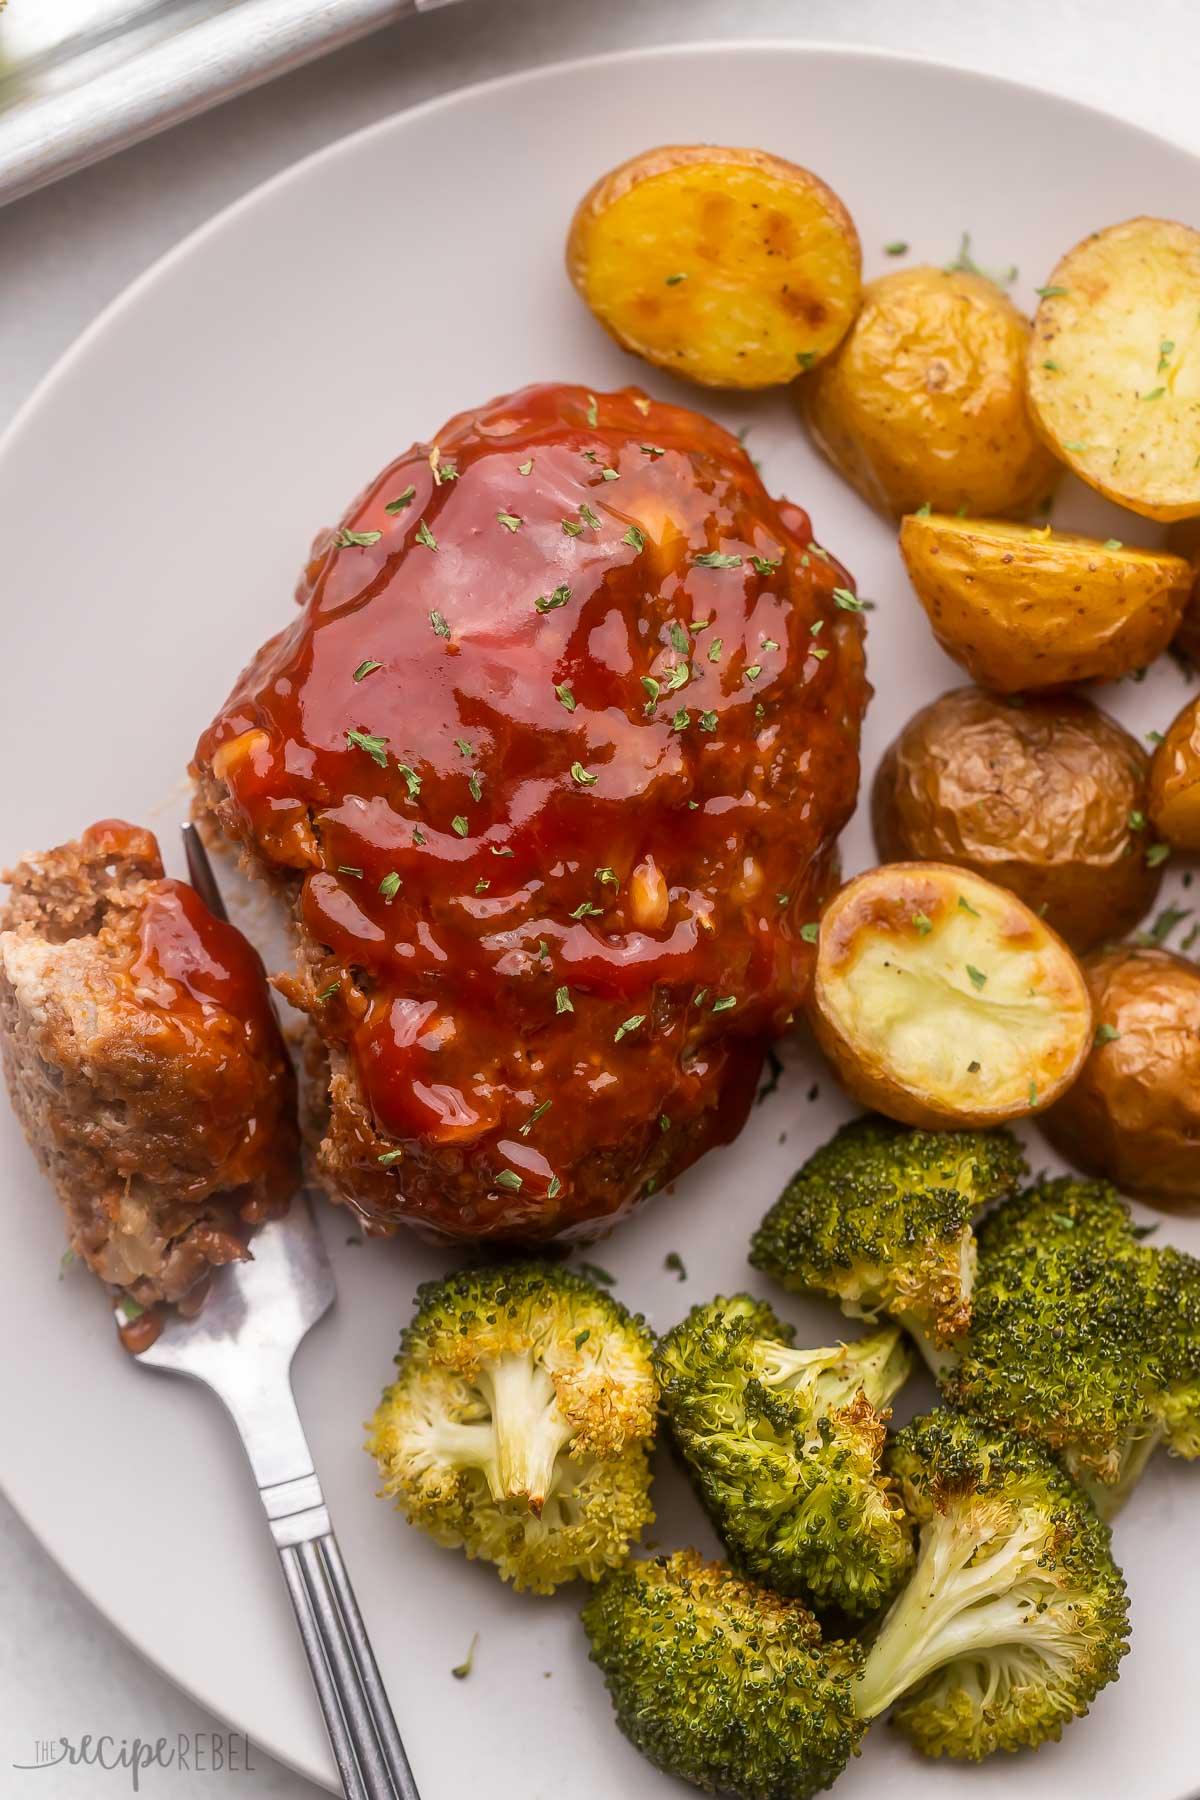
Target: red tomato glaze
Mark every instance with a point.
(558, 749)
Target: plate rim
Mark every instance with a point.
(446, 100)
(455, 96)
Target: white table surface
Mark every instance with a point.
(65, 252)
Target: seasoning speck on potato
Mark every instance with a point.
(731, 267)
(1114, 365)
(1025, 609)
(1048, 798)
(924, 402)
(942, 1000)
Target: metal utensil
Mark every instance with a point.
(68, 98)
(241, 1345)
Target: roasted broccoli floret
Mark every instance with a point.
(1015, 1616)
(519, 1422)
(1082, 1335)
(722, 1682)
(784, 1448)
(880, 1219)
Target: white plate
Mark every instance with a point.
(156, 500)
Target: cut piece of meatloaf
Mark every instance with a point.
(144, 1062)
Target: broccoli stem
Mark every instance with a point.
(877, 1366)
(1108, 1497)
(939, 1359)
(964, 1598)
(528, 1429)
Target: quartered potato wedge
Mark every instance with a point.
(1114, 365)
(1024, 608)
(734, 268)
(1174, 804)
(1184, 540)
(942, 1000)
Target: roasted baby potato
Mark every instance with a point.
(942, 1000)
(924, 403)
(1114, 365)
(1133, 1116)
(1048, 798)
(1184, 539)
(732, 267)
(1023, 608)
(1174, 804)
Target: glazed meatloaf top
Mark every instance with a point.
(551, 766)
(144, 1062)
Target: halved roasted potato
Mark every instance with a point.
(1174, 804)
(1114, 365)
(732, 267)
(924, 402)
(1024, 609)
(941, 1000)
(1133, 1116)
(1048, 798)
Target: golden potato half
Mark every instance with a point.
(1133, 1116)
(1174, 804)
(1114, 365)
(1048, 798)
(732, 267)
(1023, 609)
(942, 1000)
(924, 402)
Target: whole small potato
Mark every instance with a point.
(1048, 798)
(1174, 803)
(923, 402)
(1133, 1114)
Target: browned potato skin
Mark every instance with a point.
(825, 316)
(924, 399)
(1036, 797)
(1184, 540)
(865, 904)
(1174, 803)
(1133, 1115)
(1029, 611)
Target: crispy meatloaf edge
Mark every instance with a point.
(147, 1215)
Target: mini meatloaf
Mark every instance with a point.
(551, 768)
(144, 1062)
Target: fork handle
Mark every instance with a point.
(370, 1757)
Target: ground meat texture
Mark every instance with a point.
(144, 1062)
(552, 765)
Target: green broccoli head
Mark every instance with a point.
(519, 1423)
(1175, 1299)
(880, 1219)
(722, 1682)
(784, 1448)
(1083, 1336)
(1015, 1616)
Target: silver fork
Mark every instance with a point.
(241, 1345)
